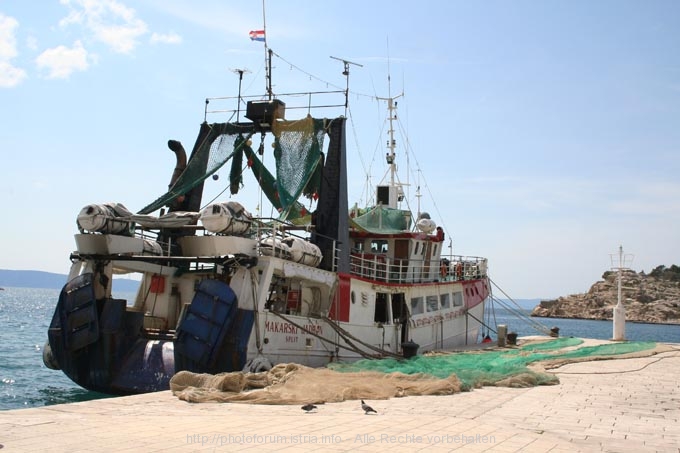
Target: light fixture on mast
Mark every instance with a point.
(345, 72)
(240, 73)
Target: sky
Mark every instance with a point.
(544, 135)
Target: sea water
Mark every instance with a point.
(25, 316)
(26, 313)
(579, 328)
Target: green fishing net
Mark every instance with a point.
(477, 369)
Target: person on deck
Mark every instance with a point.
(440, 234)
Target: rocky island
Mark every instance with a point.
(650, 298)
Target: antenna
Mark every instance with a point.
(240, 73)
(346, 74)
(390, 157)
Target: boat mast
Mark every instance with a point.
(391, 143)
(267, 57)
(395, 193)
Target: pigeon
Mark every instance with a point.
(367, 408)
(308, 407)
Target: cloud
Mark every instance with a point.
(109, 21)
(32, 43)
(10, 75)
(61, 61)
(169, 38)
(209, 15)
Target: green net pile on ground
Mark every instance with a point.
(507, 368)
(434, 374)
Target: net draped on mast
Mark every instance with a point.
(299, 161)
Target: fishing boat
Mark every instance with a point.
(222, 289)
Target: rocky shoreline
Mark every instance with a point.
(647, 298)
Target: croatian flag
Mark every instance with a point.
(257, 35)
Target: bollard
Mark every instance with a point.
(502, 332)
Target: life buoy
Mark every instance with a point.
(459, 271)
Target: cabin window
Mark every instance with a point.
(359, 246)
(445, 300)
(379, 246)
(417, 305)
(380, 308)
(415, 249)
(458, 299)
(432, 303)
(399, 310)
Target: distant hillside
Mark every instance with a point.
(651, 298)
(40, 279)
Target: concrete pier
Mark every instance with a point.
(614, 405)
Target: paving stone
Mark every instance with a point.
(608, 405)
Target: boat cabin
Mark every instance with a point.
(410, 257)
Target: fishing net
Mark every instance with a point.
(508, 368)
(292, 384)
(434, 374)
(297, 151)
(381, 219)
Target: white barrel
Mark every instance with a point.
(303, 252)
(427, 226)
(274, 246)
(111, 218)
(226, 218)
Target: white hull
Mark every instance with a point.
(288, 343)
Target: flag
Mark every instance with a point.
(257, 35)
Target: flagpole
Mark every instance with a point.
(267, 54)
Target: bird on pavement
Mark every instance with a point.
(308, 407)
(367, 408)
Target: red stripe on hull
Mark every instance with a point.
(476, 291)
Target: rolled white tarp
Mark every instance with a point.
(173, 219)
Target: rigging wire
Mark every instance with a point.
(519, 311)
(318, 79)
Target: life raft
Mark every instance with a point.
(107, 218)
(293, 249)
(226, 218)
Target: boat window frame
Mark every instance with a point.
(432, 303)
(445, 300)
(417, 305)
(457, 298)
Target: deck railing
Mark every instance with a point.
(384, 269)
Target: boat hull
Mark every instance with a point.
(102, 345)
